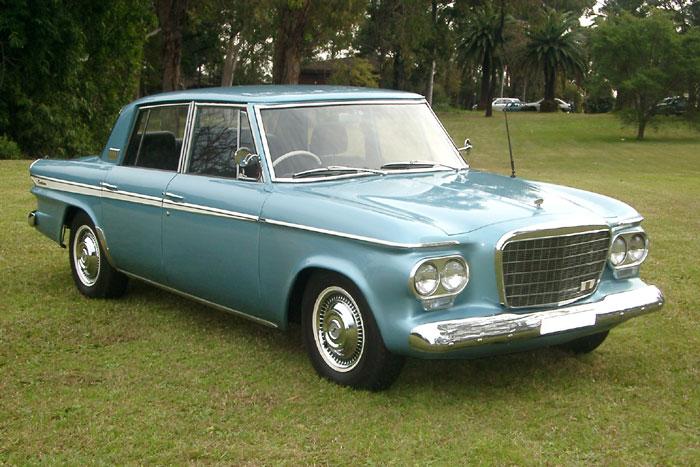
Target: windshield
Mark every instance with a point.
(330, 140)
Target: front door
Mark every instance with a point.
(132, 193)
(210, 226)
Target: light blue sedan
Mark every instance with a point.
(351, 212)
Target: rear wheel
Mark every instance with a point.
(585, 344)
(342, 338)
(92, 273)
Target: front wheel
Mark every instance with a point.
(92, 273)
(342, 338)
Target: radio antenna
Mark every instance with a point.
(510, 148)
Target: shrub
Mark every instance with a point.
(9, 149)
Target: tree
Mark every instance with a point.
(394, 35)
(65, 70)
(171, 18)
(482, 41)
(690, 47)
(354, 72)
(303, 25)
(555, 46)
(651, 68)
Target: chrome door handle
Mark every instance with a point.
(108, 186)
(173, 196)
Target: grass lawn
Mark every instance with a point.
(156, 378)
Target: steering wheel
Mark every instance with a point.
(298, 152)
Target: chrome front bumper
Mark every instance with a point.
(445, 336)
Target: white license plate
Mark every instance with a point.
(565, 322)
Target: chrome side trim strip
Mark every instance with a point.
(199, 209)
(445, 336)
(360, 238)
(103, 241)
(92, 190)
(202, 300)
(132, 197)
(65, 185)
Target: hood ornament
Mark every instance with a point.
(538, 203)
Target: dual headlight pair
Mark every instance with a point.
(438, 277)
(629, 249)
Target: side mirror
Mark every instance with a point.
(467, 146)
(247, 165)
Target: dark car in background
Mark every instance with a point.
(675, 105)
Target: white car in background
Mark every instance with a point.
(563, 106)
(502, 102)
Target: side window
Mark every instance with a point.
(157, 138)
(219, 132)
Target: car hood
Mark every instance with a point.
(458, 203)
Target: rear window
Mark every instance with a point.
(156, 141)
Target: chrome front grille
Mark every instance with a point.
(550, 270)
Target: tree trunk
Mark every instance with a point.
(503, 80)
(431, 81)
(640, 128)
(398, 70)
(548, 104)
(485, 83)
(171, 18)
(289, 43)
(433, 52)
(491, 91)
(231, 60)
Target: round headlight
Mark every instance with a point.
(618, 252)
(454, 276)
(637, 247)
(426, 279)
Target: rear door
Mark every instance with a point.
(132, 204)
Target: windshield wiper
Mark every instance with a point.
(416, 165)
(332, 170)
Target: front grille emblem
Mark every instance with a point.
(587, 285)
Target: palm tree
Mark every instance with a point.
(555, 46)
(482, 40)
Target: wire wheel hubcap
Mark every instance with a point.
(86, 255)
(338, 329)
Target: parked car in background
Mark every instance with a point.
(351, 212)
(506, 103)
(535, 106)
(675, 105)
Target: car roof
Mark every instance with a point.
(274, 94)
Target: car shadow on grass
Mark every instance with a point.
(512, 374)
(183, 312)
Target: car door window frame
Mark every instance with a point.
(134, 130)
(187, 156)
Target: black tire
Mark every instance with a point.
(585, 344)
(349, 349)
(93, 275)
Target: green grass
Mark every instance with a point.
(155, 378)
